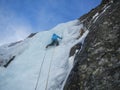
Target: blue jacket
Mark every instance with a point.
(55, 37)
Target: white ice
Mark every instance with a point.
(24, 70)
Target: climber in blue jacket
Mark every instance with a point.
(54, 40)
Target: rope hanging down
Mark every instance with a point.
(49, 70)
(40, 71)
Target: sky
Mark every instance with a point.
(19, 18)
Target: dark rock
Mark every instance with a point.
(31, 35)
(14, 43)
(9, 61)
(74, 48)
(97, 66)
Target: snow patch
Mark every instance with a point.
(95, 15)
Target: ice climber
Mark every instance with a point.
(54, 40)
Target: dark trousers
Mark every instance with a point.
(54, 42)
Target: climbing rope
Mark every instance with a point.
(40, 71)
(49, 70)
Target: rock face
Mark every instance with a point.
(31, 35)
(97, 66)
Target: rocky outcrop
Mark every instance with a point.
(97, 66)
(14, 43)
(74, 48)
(31, 35)
(9, 61)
